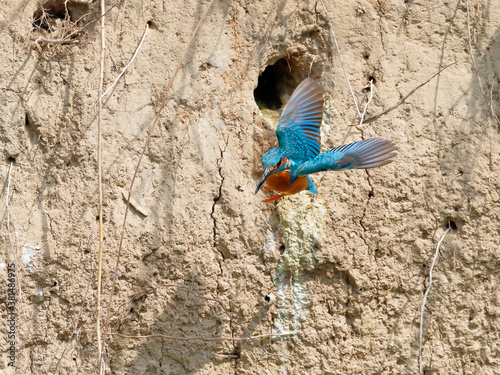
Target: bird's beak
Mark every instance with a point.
(267, 172)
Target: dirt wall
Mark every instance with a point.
(337, 278)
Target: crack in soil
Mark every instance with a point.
(370, 195)
(216, 200)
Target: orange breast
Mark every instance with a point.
(281, 182)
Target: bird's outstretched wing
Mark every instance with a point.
(298, 129)
(374, 152)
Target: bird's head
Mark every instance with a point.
(274, 160)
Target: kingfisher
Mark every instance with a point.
(287, 167)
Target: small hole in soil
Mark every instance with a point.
(54, 283)
(52, 14)
(452, 225)
(372, 79)
(366, 56)
(11, 159)
(282, 249)
(47, 14)
(152, 24)
(371, 194)
(424, 265)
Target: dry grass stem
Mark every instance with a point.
(99, 172)
(146, 143)
(365, 109)
(130, 62)
(425, 300)
(361, 120)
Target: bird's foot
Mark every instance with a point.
(274, 197)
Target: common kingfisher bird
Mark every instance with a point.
(287, 167)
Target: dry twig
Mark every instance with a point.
(201, 338)
(403, 99)
(68, 39)
(244, 329)
(135, 296)
(362, 117)
(146, 143)
(130, 62)
(249, 337)
(99, 173)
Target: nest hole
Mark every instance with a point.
(50, 13)
(277, 82)
(152, 24)
(454, 224)
(269, 90)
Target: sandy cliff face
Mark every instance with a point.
(343, 272)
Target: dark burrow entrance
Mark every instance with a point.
(277, 82)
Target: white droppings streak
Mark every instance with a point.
(30, 253)
(270, 244)
(301, 218)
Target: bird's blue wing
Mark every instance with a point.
(298, 129)
(374, 152)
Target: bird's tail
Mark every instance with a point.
(371, 153)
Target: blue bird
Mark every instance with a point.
(287, 168)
